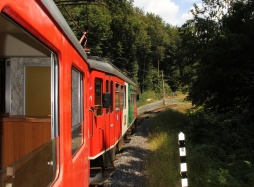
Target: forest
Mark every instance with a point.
(210, 58)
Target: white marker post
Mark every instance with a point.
(183, 164)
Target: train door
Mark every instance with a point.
(131, 98)
(109, 122)
(99, 117)
(29, 108)
(125, 124)
(119, 102)
(97, 128)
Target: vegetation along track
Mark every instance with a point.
(129, 166)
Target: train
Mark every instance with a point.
(64, 113)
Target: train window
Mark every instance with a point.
(111, 90)
(122, 97)
(117, 98)
(77, 110)
(98, 96)
(107, 90)
(107, 86)
(29, 128)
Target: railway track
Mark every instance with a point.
(122, 171)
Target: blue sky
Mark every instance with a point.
(174, 12)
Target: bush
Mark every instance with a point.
(220, 149)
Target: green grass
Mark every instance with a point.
(146, 98)
(163, 164)
(219, 148)
(150, 97)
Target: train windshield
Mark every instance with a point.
(28, 104)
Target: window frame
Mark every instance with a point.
(98, 107)
(77, 130)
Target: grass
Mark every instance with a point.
(146, 98)
(150, 97)
(219, 148)
(163, 167)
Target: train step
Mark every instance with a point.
(95, 175)
(107, 172)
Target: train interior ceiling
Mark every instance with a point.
(25, 78)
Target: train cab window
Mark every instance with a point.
(117, 97)
(77, 109)
(98, 96)
(29, 108)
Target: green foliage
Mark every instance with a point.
(219, 56)
(220, 149)
(118, 30)
(217, 69)
(210, 57)
(146, 97)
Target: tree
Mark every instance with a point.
(118, 30)
(221, 58)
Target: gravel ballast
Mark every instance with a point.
(131, 160)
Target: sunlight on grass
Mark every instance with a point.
(157, 141)
(184, 107)
(163, 164)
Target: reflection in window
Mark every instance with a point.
(98, 96)
(117, 99)
(77, 110)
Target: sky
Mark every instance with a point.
(174, 12)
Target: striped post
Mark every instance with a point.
(183, 164)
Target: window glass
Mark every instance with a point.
(121, 97)
(124, 96)
(77, 110)
(107, 90)
(107, 86)
(117, 98)
(98, 96)
(111, 91)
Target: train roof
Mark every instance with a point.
(104, 65)
(94, 63)
(60, 20)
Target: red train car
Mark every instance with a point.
(109, 100)
(59, 109)
(44, 105)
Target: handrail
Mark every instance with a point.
(91, 109)
(103, 141)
